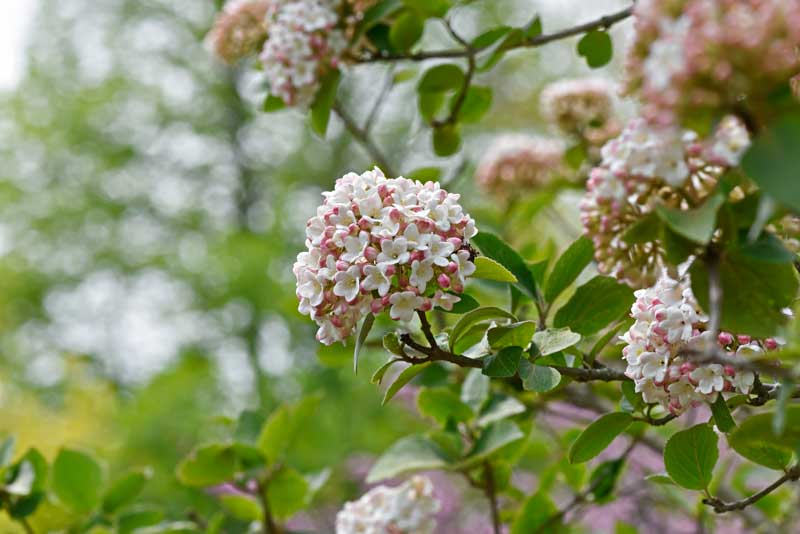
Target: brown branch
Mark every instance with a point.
(491, 494)
(721, 507)
(361, 135)
(452, 117)
(580, 374)
(270, 527)
(604, 22)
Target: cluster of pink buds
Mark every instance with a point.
(378, 243)
(405, 509)
(304, 44)
(643, 167)
(581, 107)
(693, 58)
(519, 162)
(669, 329)
(239, 30)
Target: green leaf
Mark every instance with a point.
(286, 493)
(488, 269)
(555, 340)
(24, 477)
(696, 225)
(754, 293)
(430, 104)
(379, 11)
(633, 399)
(146, 517)
(409, 454)
(598, 435)
(538, 378)
(207, 465)
(441, 78)
(493, 438)
(660, 478)
(604, 478)
(283, 426)
(242, 507)
(534, 27)
(475, 390)
(124, 490)
(490, 37)
(767, 248)
(77, 480)
(596, 47)
(377, 377)
(363, 332)
(29, 483)
(755, 440)
(446, 140)
(504, 364)
(273, 103)
(402, 379)
(406, 30)
(773, 160)
(511, 335)
(442, 404)
(466, 304)
(425, 174)
(722, 415)
(323, 102)
(497, 249)
(537, 512)
(568, 267)
(645, 230)
(476, 103)
(595, 305)
(430, 8)
(493, 53)
(500, 407)
(474, 317)
(690, 457)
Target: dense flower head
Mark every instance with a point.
(304, 44)
(691, 58)
(668, 325)
(380, 243)
(405, 509)
(239, 29)
(583, 107)
(517, 162)
(644, 167)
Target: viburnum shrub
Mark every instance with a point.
(672, 305)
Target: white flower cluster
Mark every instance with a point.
(668, 323)
(581, 106)
(645, 166)
(379, 243)
(405, 509)
(303, 44)
(519, 161)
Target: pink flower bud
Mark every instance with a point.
(336, 321)
(770, 343)
(444, 280)
(395, 215)
(390, 270)
(427, 305)
(725, 339)
(417, 255)
(456, 242)
(743, 339)
(458, 287)
(376, 306)
(364, 224)
(342, 265)
(687, 367)
(371, 254)
(385, 300)
(730, 370)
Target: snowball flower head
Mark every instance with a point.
(644, 167)
(519, 161)
(582, 107)
(378, 244)
(692, 58)
(304, 45)
(669, 325)
(405, 509)
(239, 29)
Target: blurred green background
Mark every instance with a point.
(150, 214)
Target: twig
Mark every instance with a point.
(452, 117)
(360, 135)
(382, 94)
(27, 526)
(605, 22)
(269, 522)
(721, 507)
(580, 374)
(491, 494)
